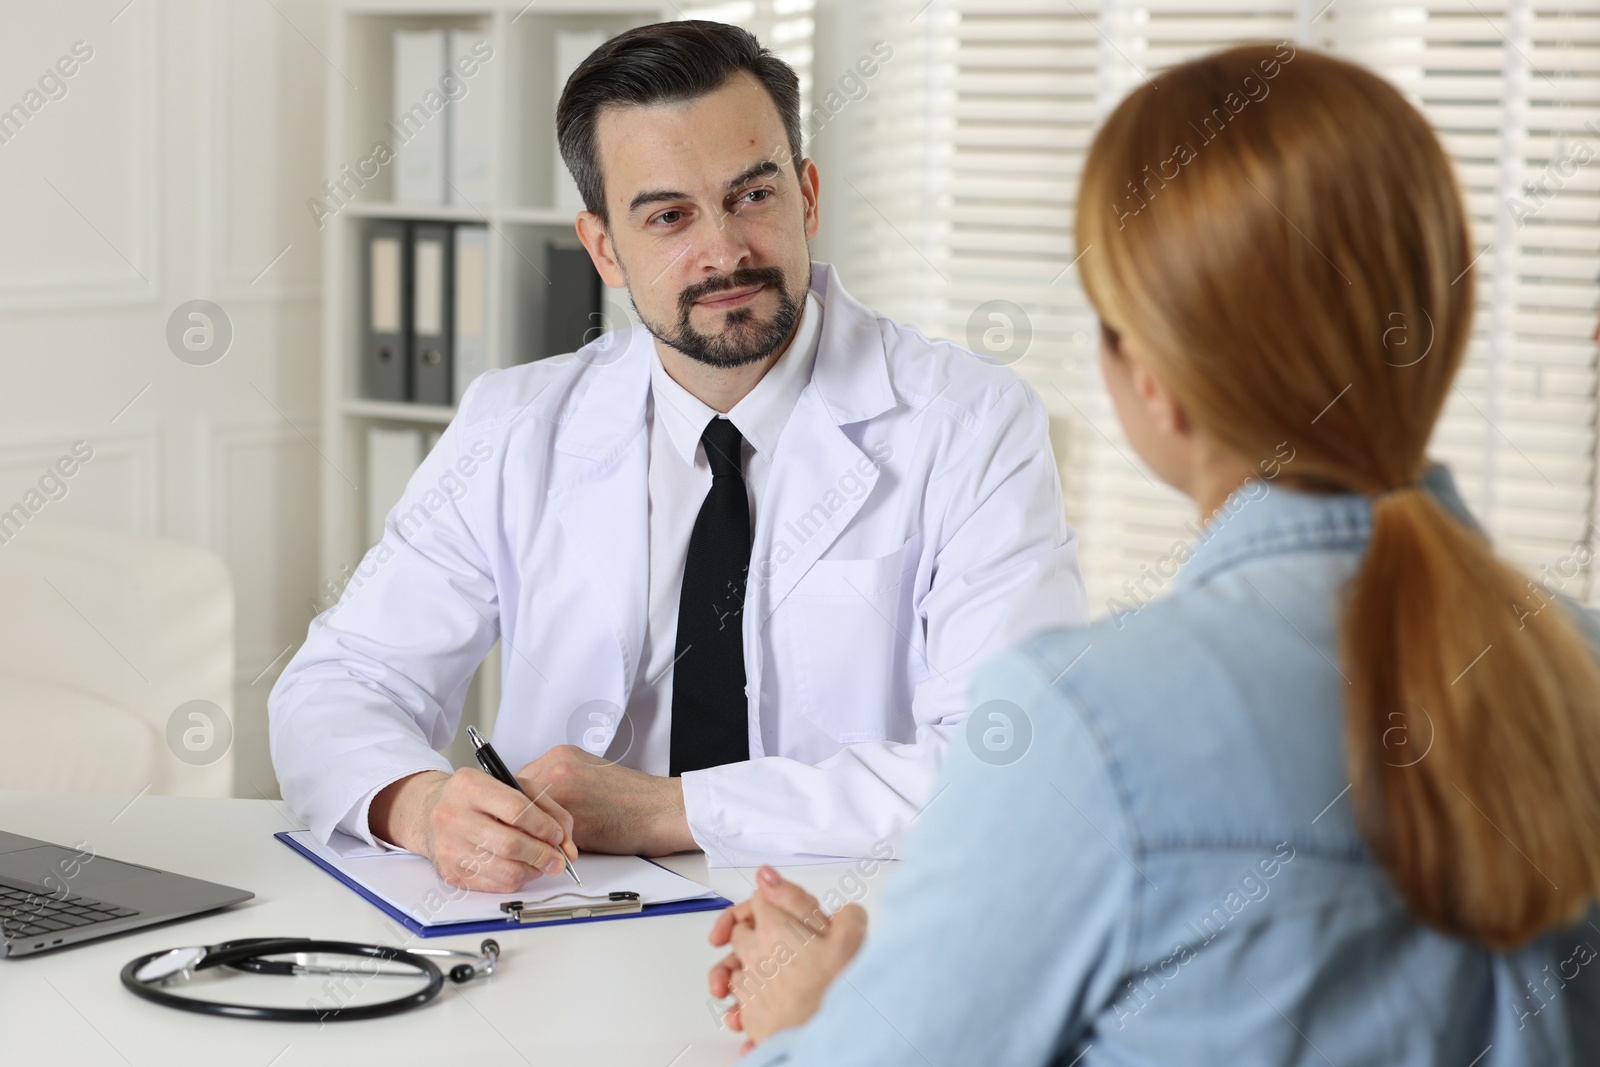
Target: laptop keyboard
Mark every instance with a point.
(24, 913)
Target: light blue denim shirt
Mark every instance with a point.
(1156, 861)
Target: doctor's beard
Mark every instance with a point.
(744, 339)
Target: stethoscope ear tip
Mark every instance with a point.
(489, 952)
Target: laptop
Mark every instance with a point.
(51, 896)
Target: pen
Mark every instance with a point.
(491, 762)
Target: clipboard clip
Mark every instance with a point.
(619, 903)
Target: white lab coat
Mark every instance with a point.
(910, 529)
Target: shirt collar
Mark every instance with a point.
(764, 411)
(1262, 519)
(682, 413)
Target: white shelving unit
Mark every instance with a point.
(520, 213)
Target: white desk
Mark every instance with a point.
(630, 992)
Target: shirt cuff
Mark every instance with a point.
(708, 826)
(355, 822)
(700, 813)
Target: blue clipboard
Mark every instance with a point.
(493, 926)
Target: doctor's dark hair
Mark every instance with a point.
(668, 62)
(1295, 267)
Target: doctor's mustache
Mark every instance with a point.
(742, 278)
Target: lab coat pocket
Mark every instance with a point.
(850, 635)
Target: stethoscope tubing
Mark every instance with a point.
(239, 952)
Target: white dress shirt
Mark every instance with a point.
(680, 478)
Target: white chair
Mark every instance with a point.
(103, 635)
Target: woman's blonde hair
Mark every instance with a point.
(1283, 237)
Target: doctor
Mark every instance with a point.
(742, 561)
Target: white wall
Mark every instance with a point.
(175, 167)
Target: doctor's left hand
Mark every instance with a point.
(614, 809)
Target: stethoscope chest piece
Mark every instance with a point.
(175, 966)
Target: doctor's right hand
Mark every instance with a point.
(479, 833)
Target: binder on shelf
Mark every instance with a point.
(386, 285)
(472, 307)
(471, 121)
(573, 310)
(393, 456)
(420, 61)
(572, 48)
(432, 335)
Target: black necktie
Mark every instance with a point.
(709, 719)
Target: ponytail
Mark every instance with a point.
(1472, 731)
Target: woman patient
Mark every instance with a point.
(1335, 799)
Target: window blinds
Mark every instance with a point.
(785, 26)
(960, 180)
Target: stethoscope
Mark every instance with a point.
(148, 976)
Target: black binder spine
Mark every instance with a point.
(386, 318)
(432, 312)
(573, 311)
